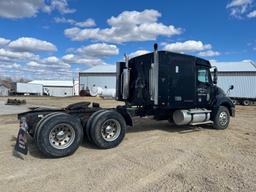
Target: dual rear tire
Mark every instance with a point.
(60, 134)
(106, 129)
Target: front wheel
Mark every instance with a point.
(222, 118)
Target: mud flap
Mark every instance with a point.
(21, 142)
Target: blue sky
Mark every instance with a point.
(55, 39)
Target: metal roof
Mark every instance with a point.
(54, 83)
(237, 66)
(3, 85)
(7, 85)
(101, 69)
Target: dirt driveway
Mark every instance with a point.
(154, 156)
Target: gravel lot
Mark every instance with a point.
(11, 109)
(154, 156)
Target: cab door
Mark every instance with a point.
(203, 88)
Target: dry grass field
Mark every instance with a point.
(154, 156)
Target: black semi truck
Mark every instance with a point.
(161, 84)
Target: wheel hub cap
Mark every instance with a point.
(110, 130)
(223, 118)
(62, 136)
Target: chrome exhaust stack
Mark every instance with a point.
(125, 78)
(155, 76)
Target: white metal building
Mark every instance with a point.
(242, 75)
(58, 88)
(4, 91)
(103, 76)
(29, 88)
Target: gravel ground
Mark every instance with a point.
(11, 109)
(154, 156)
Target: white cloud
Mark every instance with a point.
(17, 59)
(252, 14)
(33, 64)
(8, 55)
(138, 53)
(134, 17)
(16, 66)
(187, 46)
(10, 66)
(68, 57)
(91, 54)
(78, 59)
(238, 8)
(238, 3)
(247, 60)
(18, 62)
(15, 9)
(36, 69)
(99, 50)
(87, 23)
(31, 45)
(48, 68)
(60, 5)
(209, 53)
(191, 46)
(4, 41)
(19, 9)
(64, 20)
(47, 63)
(52, 59)
(126, 27)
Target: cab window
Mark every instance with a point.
(203, 75)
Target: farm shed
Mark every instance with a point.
(58, 88)
(4, 90)
(242, 75)
(29, 88)
(103, 76)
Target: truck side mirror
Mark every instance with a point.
(231, 87)
(215, 77)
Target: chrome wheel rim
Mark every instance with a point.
(110, 130)
(62, 136)
(246, 102)
(223, 118)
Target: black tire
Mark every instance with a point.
(222, 118)
(118, 127)
(40, 122)
(87, 128)
(46, 143)
(235, 102)
(246, 102)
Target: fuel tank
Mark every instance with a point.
(190, 116)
